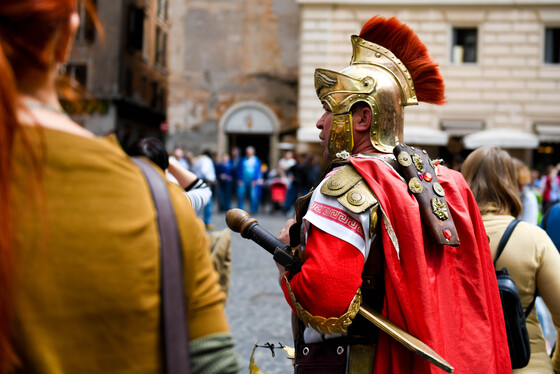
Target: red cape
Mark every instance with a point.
(445, 296)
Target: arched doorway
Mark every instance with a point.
(250, 123)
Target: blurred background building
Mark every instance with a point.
(217, 74)
(500, 61)
(233, 74)
(124, 72)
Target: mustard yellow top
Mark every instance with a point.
(532, 261)
(87, 268)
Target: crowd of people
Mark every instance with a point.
(387, 234)
(544, 186)
(234, 180)
(237, 179)
(540, 197)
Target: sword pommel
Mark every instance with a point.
(239, 221)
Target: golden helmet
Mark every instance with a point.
(379, 79)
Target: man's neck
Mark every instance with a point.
(363, 147)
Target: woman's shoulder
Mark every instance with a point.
(534, 237)
(69, 149)
(533, 231)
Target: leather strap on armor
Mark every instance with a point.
(420, 175)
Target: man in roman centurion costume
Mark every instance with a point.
(389, 229)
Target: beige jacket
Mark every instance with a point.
(532, 261)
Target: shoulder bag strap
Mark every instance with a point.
(173, 309)
(501, 247)
(505, 239)
(530, 307)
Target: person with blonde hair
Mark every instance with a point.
(529, 256)
(80, 250)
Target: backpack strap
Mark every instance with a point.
(530, 307)
(505, 239)
(501, 246)
(173, 314)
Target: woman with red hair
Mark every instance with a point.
(79, 265)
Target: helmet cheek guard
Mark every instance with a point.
(341, 137)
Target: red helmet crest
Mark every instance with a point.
(407, 47)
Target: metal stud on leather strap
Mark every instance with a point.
(335, 183)
(305, 351)
(340, 350)
(355, 198)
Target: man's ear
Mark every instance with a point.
(361, 118)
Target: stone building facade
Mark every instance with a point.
(499, 59)
(123, 69)
(233, 74)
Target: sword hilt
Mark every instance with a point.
(239, 221)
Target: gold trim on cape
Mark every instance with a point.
(330, 325)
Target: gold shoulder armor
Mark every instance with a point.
(341, 181)
(350, 189)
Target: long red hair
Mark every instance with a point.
(26, 29)
(405, 44)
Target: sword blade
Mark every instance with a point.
(410, 342)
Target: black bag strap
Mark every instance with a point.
(505, 238)
(173, 308)
(501, 246)
(530, 307)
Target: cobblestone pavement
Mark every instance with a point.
(256, 308)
